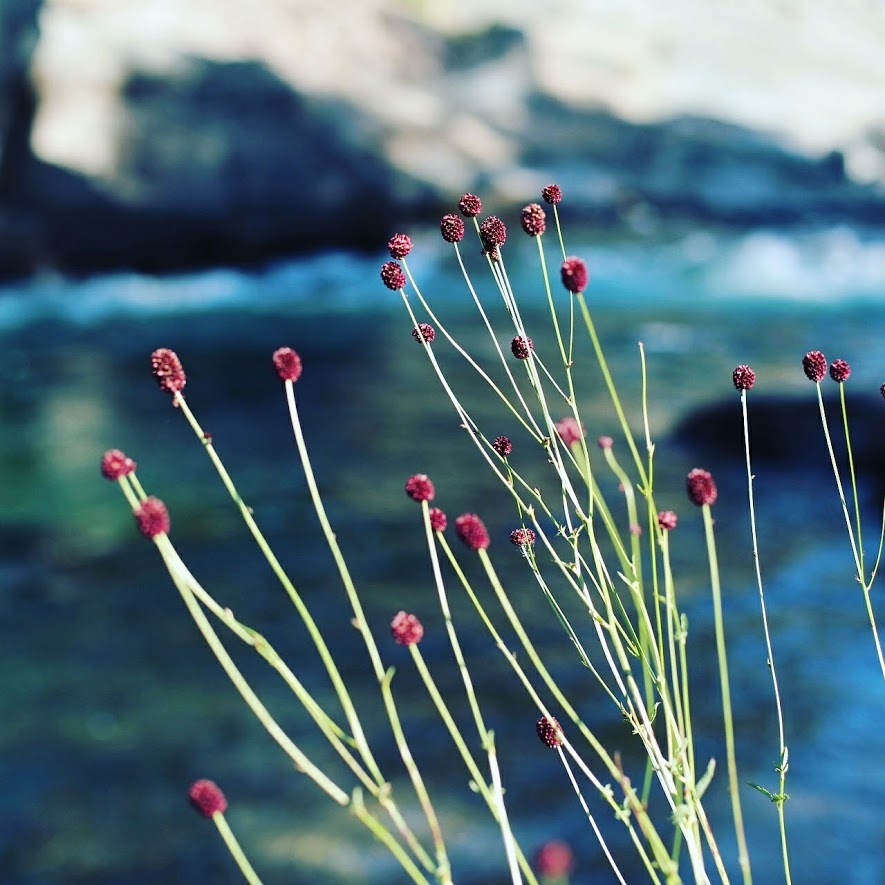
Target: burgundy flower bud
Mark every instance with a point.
(472, 531)
(521, 347)
(470, 205)
(743, 378)
(399, 245)
(554, 859)
(406, 629)
(815, 365)
(605, 442)
(152, 517)
(207, 798)
(552, 193)
(635, 529)
(452, 228)
(549, 732)
(568, 430)
(425, 331)
(700, 487)
(522, 537)
(493, 233)
(420, 488)
(840, 371)
(287, 363)
(502, 446)
(575, 275)
(667, 520)
(167, 369)
(438, 520)
(392, 276)
(115, 464)
(533, 220)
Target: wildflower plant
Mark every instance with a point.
(582, 548)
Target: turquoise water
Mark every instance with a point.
(111, 705)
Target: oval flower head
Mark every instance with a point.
(207, 798)
(472, 531)
(700, 487)
(420, 487)
(406, 629)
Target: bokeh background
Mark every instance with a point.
(221, 177)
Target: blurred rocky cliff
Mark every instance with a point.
(159, 135)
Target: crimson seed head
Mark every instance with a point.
(470, 205)
(522, 537)
(839, 371)
(743, 378)
(152, 517)
(552, 193)
(502, 446)
(115, 464)
(815, 365)
(207, 798)
(549, 731)
(667, 520)
(700, 487)
(472, 531)
(438, 520)
(406, 629)
(554, 859)
(493, 233)
(568, 430)
(392, 275)
(420, 488)
(605, 442)
(521, 347)
(287, 363)
(167, 369)
(452, 228)
(575, 275)
(399, 245)
(425, 331)
(533, 220)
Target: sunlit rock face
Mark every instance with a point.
(165, 134)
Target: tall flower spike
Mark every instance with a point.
(840, 371)
(420, 487)
(392, 276)
(207, 798)
(470, 205)
(406, 629)
(168, 371)
(743, 378)
(452, 228)
(815, 365)
(287, 363)
(533, 220)
(115, 464)
(152, 517)
(552, 193)
(399, 245)
(574, 274)
(521, 347)
(549, 732)
(700, 487)
(472, 531)
(438, 520)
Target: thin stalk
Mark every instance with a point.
(233, 846)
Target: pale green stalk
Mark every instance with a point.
(233, 846)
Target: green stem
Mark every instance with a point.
(233, 846)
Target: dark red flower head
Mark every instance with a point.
(425, 331)
(743, 378)
(399, 245)
(115, 464)
(554, 859)
(438, 520)
(667, 520)
(420, 488)
(392, 276)
(815, 365)
(605, 442)
(406, 629)
(472, 531)
(493, 233)
(168, 371)
(522, 537)
(452, 228)
(552, 193)
(549, 732)
(521, 347)
(575, 275)
(152, 517)
(502, 446)
(470, 205)
(207, 798)
(700, 487)
(287, 363)
(568, 430)
(840, 371)
(533, 219)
